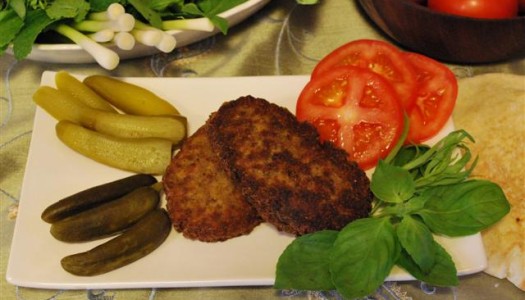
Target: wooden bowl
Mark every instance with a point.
(447, 37)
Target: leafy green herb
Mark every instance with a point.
(363, 255)
(147, 12)
(101, 5)
(19, 7)
(420, 192)
(463, 208)
(22, 21)
(392, 184)
(162, 5)
(443, 272)
(444, 163)
(211, 10)
(71, 9)
(304, 264)
(37, 4)
(12, 24)
(416, 239)
(36, 21)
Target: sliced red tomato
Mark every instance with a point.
(381, 58)
(356, 109)
(436, 96)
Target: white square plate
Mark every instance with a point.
(54, 171)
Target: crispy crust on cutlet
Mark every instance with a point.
(202, 201)
(296, 183)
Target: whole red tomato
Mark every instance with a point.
(486, 9)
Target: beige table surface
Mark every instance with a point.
(281, 39)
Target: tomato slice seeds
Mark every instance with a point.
(358, 93)
(436, 97)
(356, 109)
(379, 57)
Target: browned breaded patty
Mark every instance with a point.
(296, 183)
(202, 201)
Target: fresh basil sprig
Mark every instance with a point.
(444, 163)
(421, 192)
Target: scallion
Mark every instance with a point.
(105, 57)
(200, 24)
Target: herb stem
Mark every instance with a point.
(402, 138)
(376, 206)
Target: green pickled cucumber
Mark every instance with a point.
(130, 98)
(108, 218)
(134, 243)
(64, 107)
(91, 197)
(77, 89)
(138, 155)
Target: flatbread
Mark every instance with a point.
(491, 107)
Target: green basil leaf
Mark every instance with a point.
(391, 183)
(409, 207)
(464, 208)
(304, 263)
(414, 205)
(443, 273)
(362, 256)
(417, 240)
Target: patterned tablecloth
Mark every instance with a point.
(281, 39)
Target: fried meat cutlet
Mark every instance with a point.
(295, 182)
(202, 201)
